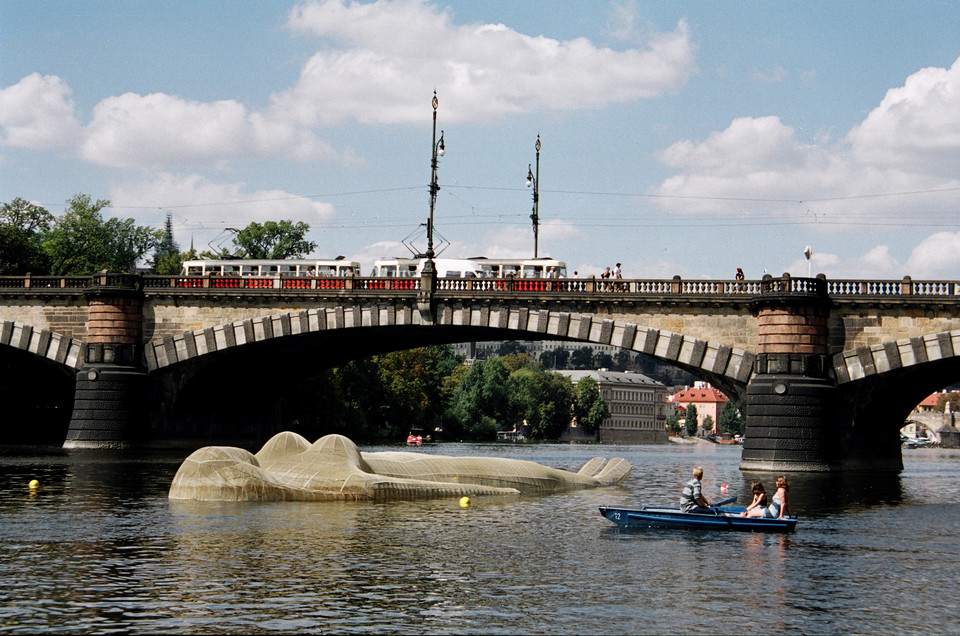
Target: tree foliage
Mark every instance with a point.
(542, 399)
(673, 424)
(82, 243)
(730, 419)
(483, 397)
(692, 424)
(22, 226)
(952, 398)
(588, 407)
(582, 358)
(274, 239)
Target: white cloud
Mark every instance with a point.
(936, 257)
(395, 53)
(378, 63)
(202, 209)
(37, 113)
(916, 127)
(159, 130)
(757, 166)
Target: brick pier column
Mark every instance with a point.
(108, 406)
(792, 401)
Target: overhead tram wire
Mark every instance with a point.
(644, 195)
(860, 218)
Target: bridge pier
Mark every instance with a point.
(793, 404)
(110, 394)
(791, 424)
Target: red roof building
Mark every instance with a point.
(708, 400)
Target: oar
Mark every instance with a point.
(724, 502)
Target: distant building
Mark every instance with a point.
(534, 348)
(929, 403)
(707, 399)
(637, 406)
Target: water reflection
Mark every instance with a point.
(99, 548)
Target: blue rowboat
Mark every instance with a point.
(721, 518)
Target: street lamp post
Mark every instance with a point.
(438, 150)
(808, 252)
(534, 180)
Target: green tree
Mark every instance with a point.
(411, 380)
(543, 399)
(582, 358)
(510, 346)
(707, 424)
(519, 360)
(673, 424)
(588, 407)
(692, 423)
(484, 394)
(623, 360)
(730, 419)
(953, 398)
(22, 226)
(81, 242)
(274, 239)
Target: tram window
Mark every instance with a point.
(249, 270)
(389, 271)
(231, 270)
(195, 270)
(326, 270)
(533, 271)
(287, 270)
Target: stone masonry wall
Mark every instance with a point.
(67, 317)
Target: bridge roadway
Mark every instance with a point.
(825, 371)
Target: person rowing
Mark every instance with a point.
(692, 499)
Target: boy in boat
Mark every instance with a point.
(691, 499)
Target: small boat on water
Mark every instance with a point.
(722, 518)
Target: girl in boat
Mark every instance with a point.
(758, 506)
(780, 505)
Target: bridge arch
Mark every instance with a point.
(727, 367)
(46, 344)
(863, 362)
(881, 384)
(37, 369)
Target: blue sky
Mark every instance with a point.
(679, 138)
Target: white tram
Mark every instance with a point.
(412, 267)
(281, 267)
(544, 267)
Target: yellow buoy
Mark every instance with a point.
(464, 502)
(34, 484)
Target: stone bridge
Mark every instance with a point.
(825, 371)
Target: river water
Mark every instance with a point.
(98, 548)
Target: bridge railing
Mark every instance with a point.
(904, 287)
(249, 282)
(588, 287)
(30, 282)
